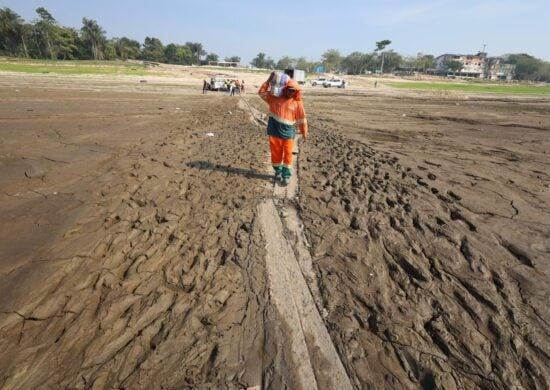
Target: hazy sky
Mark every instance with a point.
(308, 28)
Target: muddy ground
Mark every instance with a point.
(130, 255)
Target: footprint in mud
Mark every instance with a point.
(390, 202)
(519, 254)
(440, 221)
(443, 198)
(432, 163)
(454, 195)
(417, 224)
(422, 182)
(466, 250)
(456, 215)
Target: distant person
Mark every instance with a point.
(231, 87)
(285, 113)
(237, 87)
(204, 86)
(375, 83)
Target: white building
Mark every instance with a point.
(477, 66)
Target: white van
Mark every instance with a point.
(217, 82)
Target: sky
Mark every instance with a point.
(309, 28)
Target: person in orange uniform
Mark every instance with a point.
(286, 112)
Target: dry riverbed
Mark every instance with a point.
(132, 254)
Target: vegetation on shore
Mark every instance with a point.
(74, 67)
(475, 87)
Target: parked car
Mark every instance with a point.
(320, 81)
(333, 83)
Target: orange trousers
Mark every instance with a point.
(281, 152)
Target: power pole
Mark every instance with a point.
(485, 64)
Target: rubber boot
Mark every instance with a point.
(278, 173)
(286, 173)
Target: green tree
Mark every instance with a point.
(331, 59)
(233, 59)
(66, 42)
(262, 61)
(304, 64)
(197, 50)
(35, 42)
(285, 62)
(270, 63)
(126, 48)
(46, 39)
(424, 62)
(170, 53)
(212, 57)
(543, 73)
(109, 53)
(51, 39)
(380, 46)
(453, 66)
(184, 55)
(153, 50)
(46, 28)
(178, 54)
(94, 35)
(527, 66)
(26, 31)
(353, 63)
(357, 62)
(259, 60)
(392, 60)
(12, 37)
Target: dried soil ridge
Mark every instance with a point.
(314, 358)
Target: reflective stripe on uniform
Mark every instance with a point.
(282, 120)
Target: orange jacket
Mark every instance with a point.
(285, 114)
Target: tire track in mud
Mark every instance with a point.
(418, 291)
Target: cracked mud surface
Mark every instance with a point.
(430, 238)
(129, 255)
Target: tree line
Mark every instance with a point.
(44, 37)
(528, 68)
(378, 61)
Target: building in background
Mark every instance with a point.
(496, 69)
(477, 66)
(227, 64)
